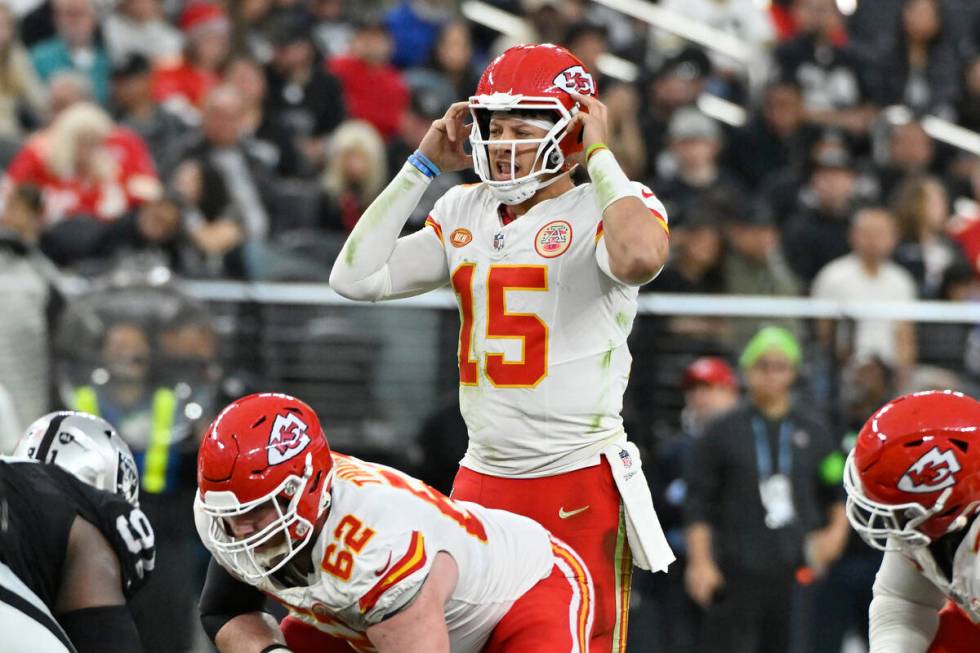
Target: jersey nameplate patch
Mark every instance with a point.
(288, 438)
(934, 471)
(460, 237)
(553, 239)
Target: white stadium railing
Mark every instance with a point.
(649, 303)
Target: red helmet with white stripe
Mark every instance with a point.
(263, 450)
(529, 78)
(914, 473)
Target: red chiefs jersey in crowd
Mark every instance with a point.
(133, 178)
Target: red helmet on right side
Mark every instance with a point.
(914, 473)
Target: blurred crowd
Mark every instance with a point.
(210, 139)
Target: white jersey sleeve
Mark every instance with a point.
(904, 613)
(390, 571)
(657, 212)
(375, 263)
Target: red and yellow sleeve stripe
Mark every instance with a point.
(661, 220)
(413, 560)
(430, 222)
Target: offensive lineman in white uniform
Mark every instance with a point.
(366, 558)
(546, 275)
(913, 485)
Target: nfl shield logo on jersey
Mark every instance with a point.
(625, 457)
(498, 241)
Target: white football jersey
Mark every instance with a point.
(964, 587)
(542, 352)
(377, 546)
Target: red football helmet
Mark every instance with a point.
(914, 473)
(529, 78)
(264, 449)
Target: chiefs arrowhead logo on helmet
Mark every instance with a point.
(575, 79)
(288, 438)
(934, 471)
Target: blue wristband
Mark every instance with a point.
(427, 162)
(420, 166)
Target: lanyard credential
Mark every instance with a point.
(763, 453)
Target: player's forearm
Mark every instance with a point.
(252, 632)
(901, 626)
(635, 240)
(358, 272)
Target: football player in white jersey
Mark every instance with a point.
(913, 486)
(546, 275)
(366, 558)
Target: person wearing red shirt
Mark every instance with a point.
(373, 89)
(85, 165)
(183, 84)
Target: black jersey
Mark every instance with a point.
(40, 502)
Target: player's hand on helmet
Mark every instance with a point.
(702, 579)
(593, 117)
(443, 143)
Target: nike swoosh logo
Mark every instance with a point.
(381, 571)
(645, 193)
(565, 514)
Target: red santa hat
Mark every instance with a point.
(200, 17)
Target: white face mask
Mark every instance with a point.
(548, 160)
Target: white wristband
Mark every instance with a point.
(610, 182)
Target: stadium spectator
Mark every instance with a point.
(138, 27)
(373, 89)
(921, 70)
(355, 173)
(414, 26)
(452, 57)
(75, 47)
(548, 21)
(710, 389)
(332, 31)
(228, 185)
(696, 253)
(152, 230)
(777, 137)
(695, 143)
(869, 274)
(303, 98)
(184, 83)
(756, 508)
(588, 42)
(676, 83)
(910, 151)
(753, 263)
(28, 291)
(744, 20)
(133, 107)
(817, 232)
(922, 208)
(266, 137)
(22, 95)
(837, 90)
(66, 89)
(86, 165)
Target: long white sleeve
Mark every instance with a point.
(375, 263)
(904, 613)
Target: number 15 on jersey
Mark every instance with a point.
(528, 328)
